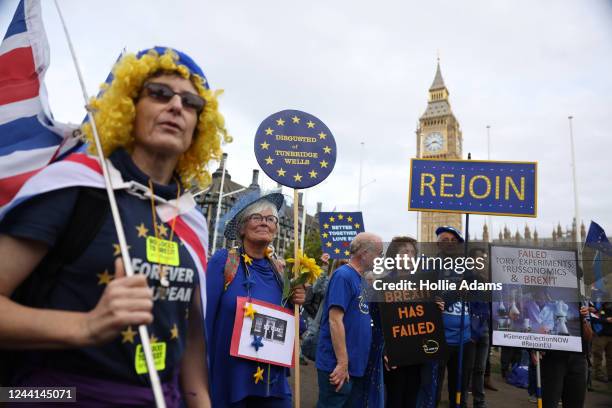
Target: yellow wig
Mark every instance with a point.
(115, 111)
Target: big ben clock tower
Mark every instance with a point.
(438, 137)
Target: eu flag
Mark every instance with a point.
(597, 239)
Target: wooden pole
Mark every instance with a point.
(296, 308)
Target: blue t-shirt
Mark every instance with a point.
(80, 285)
(231, 378)
(346, 290)
(451, 316)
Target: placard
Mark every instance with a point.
(267, 336)
(538, 306)
(295, 149)
(337, 230)
(413, 330)
(473, 186)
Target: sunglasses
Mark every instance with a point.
(163, 93)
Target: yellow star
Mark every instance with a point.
(327, 149)
(265, 145)
(280, 122)
(322, 136)
(297, 177)
(357, 226)
(128, 335)
(325, 235)
(269, 160)
(153, 339)
(142, 230)
(337, 250)
(281, 172)
(105, 278)
(247, 259)
(162, 230)
(326, 226)
(174, 334)
(310, 124)
(295, 119)
(323, 164)
(328, 244)
(313, 174)
(258, 376)
(249, 311)
(332, 219)
(347, 253)
(269, 131)
(340, 216)
(117, 249)
(349, 218)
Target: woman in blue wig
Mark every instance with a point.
(65, 302)
(248, 271)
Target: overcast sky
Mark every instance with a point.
(364, 68)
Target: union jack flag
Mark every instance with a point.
(30, 138)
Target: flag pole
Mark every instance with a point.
(296, 308)
(538, 380)
(127, 263)
(459, 384)
(360, 175)
(489, 220)
(576, 206)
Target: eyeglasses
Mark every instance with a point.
(163, 93)
(270, 219)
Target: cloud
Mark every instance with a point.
(364, 68)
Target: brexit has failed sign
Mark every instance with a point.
(338, 230)
(474, 186)
(412, 327)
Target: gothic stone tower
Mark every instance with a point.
(438, 137)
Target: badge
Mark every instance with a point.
(159, 357)
(162, 251)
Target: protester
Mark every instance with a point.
(159, 126)
(314, 308)
(406, 385)
(346, 332)
(602, 341)
(249, 272)
(480, 316)
(455, 313)
(564, 374)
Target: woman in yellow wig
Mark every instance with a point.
(159, 126)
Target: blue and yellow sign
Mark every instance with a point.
(338, 230)
(295, 149)
(475, 187)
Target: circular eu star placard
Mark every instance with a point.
(295, 149)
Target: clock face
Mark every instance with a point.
(434, 142)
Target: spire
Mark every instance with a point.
(438, 82)
(527, 232)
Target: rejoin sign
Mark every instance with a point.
(471, 186)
